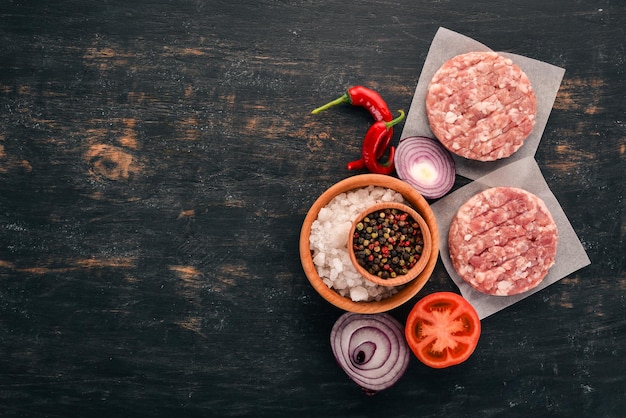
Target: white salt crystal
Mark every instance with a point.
(368, 283)
(325, 214)
(350, 273)
(373, 291)
(358, 294)
(319, 259)
(375, 193)
(345, 258)
(323, 272)
(337, 264)
(341, 283)
(338, 236)
(355, 197)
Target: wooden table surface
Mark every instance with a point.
(157, 160)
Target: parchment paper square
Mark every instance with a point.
(545, 79)
(524, 174)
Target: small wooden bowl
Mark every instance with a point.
(414, 198)
(416, 269)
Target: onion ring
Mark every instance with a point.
(426, 165)
(371, 349)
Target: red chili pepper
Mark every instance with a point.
(377, 107)
(356, 164)
(371, 145)
(364, 97)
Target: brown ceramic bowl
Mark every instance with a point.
(416, 269)
(409, 290)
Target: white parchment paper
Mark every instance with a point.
(545, 79)
(525, 174)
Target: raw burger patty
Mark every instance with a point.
(502, 241)
(481, 106)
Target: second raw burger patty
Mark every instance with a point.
(481, 106)
(503, 241)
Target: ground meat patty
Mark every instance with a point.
(481, 106)
(503, 241)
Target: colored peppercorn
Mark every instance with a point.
(387, 243)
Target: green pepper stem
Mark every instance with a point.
(343, 99)
(396, 120)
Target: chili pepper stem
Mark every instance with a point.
(396, 120)
(343, 99)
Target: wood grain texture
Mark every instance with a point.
(157, 160)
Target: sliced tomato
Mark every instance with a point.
(442, 329)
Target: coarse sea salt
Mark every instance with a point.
(329, 243)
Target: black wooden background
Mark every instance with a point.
(157, 159)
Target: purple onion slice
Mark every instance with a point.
(371, 349)
(426, 165)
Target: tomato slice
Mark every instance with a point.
(442, 329)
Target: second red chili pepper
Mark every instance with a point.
(372, 143)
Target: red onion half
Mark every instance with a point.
(371, 349)
(426, 165)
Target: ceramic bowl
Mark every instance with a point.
(409, 290)
(416, 269)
